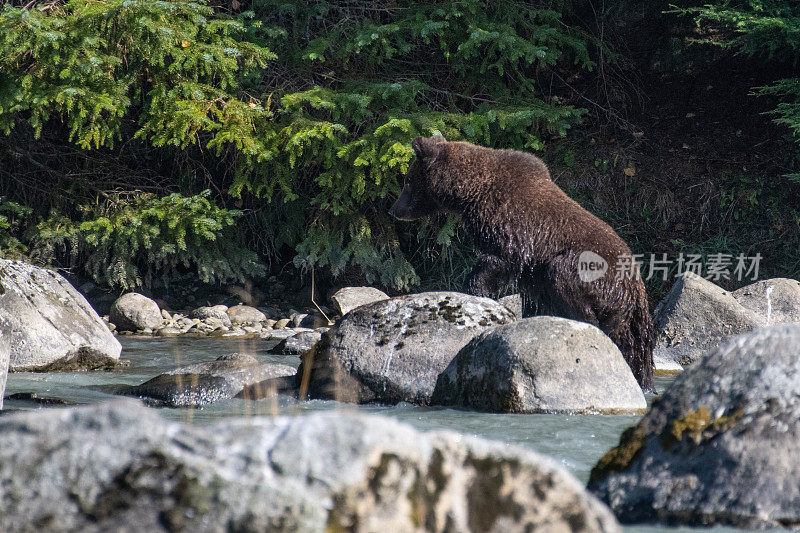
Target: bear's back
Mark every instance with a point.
(519, 196)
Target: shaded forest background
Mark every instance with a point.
(153, 143)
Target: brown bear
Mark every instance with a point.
(566, 261)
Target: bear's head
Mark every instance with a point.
(416, 200)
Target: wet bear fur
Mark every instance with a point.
(529, 230)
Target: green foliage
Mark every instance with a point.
(129, 240)
(11, 217)
(312, 106)
(788, 112)
(378, 78)
(446, 258)
(91, 62)
(770, 29)
(767, 29)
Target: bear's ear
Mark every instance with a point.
(428, 148)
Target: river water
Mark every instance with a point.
(575, 441)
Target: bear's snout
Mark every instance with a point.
(403, 208)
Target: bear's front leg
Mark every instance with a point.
(490, 276)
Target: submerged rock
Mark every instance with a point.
(269, 388)
(348, 298)
(205, 383)
(695, 317)
(41, 401)
(543, 364)
(119, 465)
(82, 359)
(392, 351)
(44, 319)
(720, 446)
(134, 312)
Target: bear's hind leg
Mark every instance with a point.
(565, 295)
(637, 352)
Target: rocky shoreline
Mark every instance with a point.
(716, 448)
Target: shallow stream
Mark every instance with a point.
(577, 442)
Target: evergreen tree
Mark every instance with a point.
(311, 106)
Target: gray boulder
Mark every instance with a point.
(5, 351)
(348, 298)
(391, 351)
(120, 466)
(543, 364)
(514, 303)
(218, 312)
(245, 314)
(281, 323)
(304, 320)
(776, 300)
(664, 364)
(168, 331)
(213, 323)
(205, 383)
(134, 312)
(44, 319)
(695, 317)
(720, 447)
(300, 342)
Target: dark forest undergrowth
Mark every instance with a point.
(675, 150)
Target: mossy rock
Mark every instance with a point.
(720, 446)
(392, 350)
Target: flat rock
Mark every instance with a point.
(298, 343)
(720, 446)
(245, 314)
(134, 311)
(44, 319)
(278, 334)
(776, 300)
(392, 350)
(205, 383)
(348, 298)
(543, 364)
(120, 465)
(695, 317)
